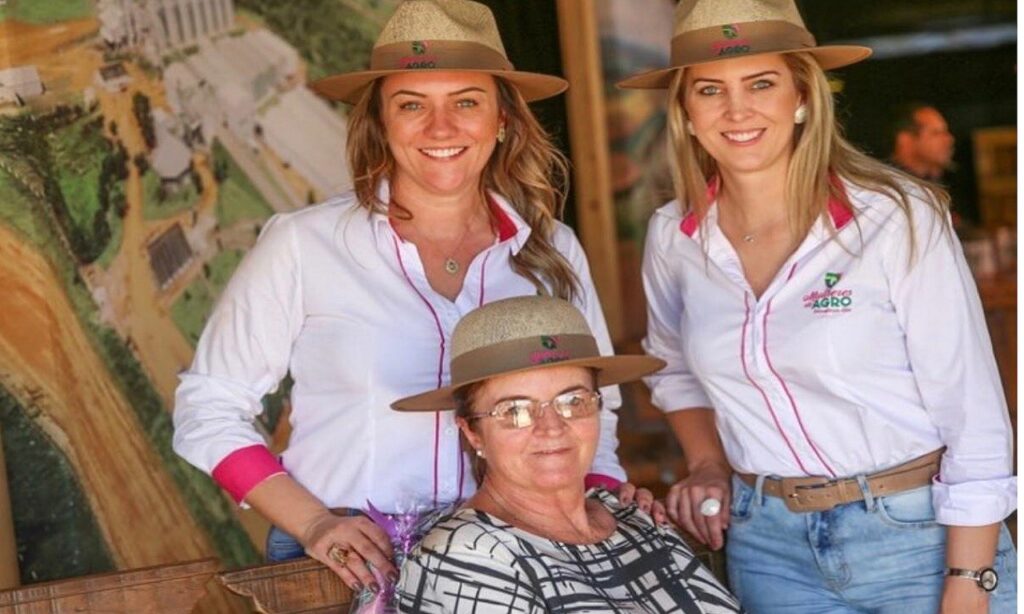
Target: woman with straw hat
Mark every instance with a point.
(829, 375)
(525, 373)
(457, 192)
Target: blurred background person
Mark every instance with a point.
(922, 142)
(923, 146)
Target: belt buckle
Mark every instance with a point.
(797, 494)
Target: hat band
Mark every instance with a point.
(437, 54)
(518, 354)
(738, 39)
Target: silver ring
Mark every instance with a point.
(710, 506)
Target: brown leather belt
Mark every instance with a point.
(817, 494)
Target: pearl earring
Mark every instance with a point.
(689, 127)
(800, 115)
(501, 133)
(479, 453)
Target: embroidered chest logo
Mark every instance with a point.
(550, 353)
(831, 299)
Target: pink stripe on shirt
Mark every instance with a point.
(746, 372)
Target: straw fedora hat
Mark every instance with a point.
(426, 35)
(711, 30)
(522, 334)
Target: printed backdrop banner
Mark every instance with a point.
(143, 143)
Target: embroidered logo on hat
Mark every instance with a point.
(730, 30)
(551, 353)
(419, 47)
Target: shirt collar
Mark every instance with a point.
(838, 212)
(509, 225)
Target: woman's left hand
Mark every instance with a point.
(961, 596)
(628, 493)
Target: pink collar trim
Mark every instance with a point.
(506, 227)
(840, 213)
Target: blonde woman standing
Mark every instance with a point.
(457, 193)
(829, 377)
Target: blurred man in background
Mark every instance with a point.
(922, 143)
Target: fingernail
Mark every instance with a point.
(374, 587)
(392, 577)
(357, 586)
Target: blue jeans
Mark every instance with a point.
(884, 555)
(282, 547)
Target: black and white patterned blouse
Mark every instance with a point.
(473, 562)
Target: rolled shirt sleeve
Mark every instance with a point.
(242, 355)
(937, 305)
(675, 387)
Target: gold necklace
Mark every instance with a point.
(451, 265)
(751, 235)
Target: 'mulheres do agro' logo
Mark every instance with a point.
(831, 299)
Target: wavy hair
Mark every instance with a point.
(527, 169)
(820, 153)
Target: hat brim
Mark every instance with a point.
(611, 370)
(348, 87)
(828, 57)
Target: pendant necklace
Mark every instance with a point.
(451, 265)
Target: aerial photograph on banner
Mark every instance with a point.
(143, 145)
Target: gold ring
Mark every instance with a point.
(338, 554)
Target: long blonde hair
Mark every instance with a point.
(526, 168)
(820, 152)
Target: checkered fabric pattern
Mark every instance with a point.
(474, 562)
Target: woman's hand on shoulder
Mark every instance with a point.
(684, 500)
(628, 493)
(355, 540)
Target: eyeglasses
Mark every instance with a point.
(522, 413)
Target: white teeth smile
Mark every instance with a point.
(742, 137)
(447, 152)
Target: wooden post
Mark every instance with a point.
(588, 139)
(9, 576)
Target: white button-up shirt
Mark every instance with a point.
(853, 360)
(332, 294)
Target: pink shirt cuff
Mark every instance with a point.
(244, 468)
(599, 479)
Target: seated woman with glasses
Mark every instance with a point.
(525, 373)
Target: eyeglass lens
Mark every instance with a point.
(521, 413)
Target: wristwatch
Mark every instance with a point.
(986, 578)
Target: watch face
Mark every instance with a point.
(989, 579)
